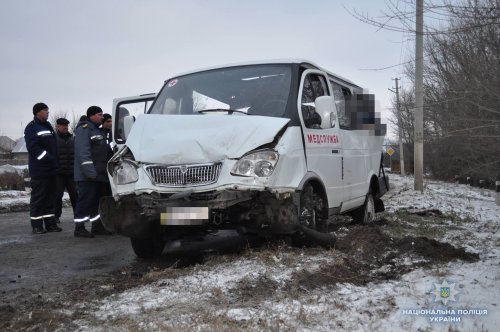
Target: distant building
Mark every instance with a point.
(6, 146)
(19, 151)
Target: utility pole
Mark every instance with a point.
(400, 129)
(418, 155)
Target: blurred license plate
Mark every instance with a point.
(180, 216)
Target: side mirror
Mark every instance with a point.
(128, 122)
(326, 110)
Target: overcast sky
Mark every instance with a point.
(74, 54)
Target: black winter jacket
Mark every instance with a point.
(91, 152)
(66, 149)
(42, 149)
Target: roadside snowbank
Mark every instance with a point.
(254, 291)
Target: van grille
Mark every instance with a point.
(184, 175)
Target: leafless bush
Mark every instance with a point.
(11, 181)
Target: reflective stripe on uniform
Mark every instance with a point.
(95, 218)
(44, 132)
(87, 162)
(41, 155)
(44, 216)
(82, 219)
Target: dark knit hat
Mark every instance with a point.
(39, 107)
(93, 110)
(106, 116)
(62, 121)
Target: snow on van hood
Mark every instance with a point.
(190, 139)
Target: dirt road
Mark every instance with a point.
(38, 272)
(33, 262)
(29, 262)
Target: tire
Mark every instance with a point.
(311, 215)
(365, 214)
(147, 248)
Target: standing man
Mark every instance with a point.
(42, 149)
(91, 153)
(107, 125)
(66, 154)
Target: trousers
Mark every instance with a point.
(65, 182)
(87, 203)
(42, 202)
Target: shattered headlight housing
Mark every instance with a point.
(259, 163)
(125, 172)
(123, 167)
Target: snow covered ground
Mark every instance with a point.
(386, 282)
(16, 200)
(13, 200)
(266, 289)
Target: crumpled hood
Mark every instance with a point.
(192, 139)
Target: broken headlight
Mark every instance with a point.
(122, 167)
(259, 163)
(125, 172)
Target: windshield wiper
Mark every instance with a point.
(222, 110)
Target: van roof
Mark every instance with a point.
(273, 61)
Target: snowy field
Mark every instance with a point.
(263, 289)
(435, 272)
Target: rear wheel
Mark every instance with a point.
(365, 214)
(147, 248)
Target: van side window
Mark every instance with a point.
(314, 87)
(340, 95)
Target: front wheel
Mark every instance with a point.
(365, 214)
(313, 220)
(147, 248)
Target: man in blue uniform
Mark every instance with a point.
(43, 164)
(91, 155)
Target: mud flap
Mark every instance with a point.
(379, 205)
(383, 185)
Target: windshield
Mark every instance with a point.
(252, 90)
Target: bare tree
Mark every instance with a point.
(461, 80)
(462, 92)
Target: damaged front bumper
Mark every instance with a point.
(143, 215)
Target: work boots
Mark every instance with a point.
(39, 230)
(80, 230)
(98, 228)
(53, 228)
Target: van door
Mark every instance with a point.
(125, 111)
(322, 140)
